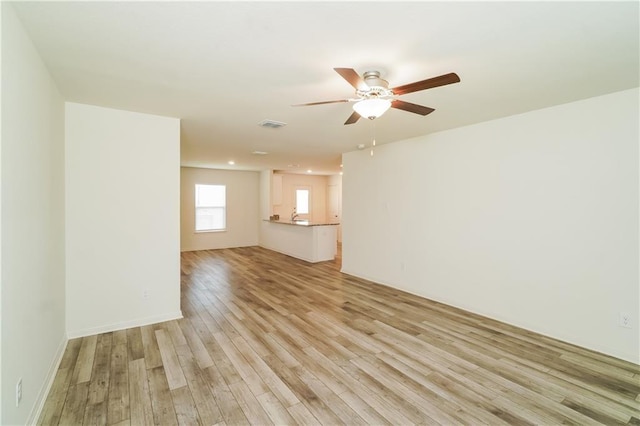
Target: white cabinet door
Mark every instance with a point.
(276, 190)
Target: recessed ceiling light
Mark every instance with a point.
(259, 153)
(231, 162)
(340, 173)
(309, 171)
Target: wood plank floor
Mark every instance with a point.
(268, 339)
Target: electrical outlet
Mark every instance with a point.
(624, 320)
(19, 392)
(145, 293)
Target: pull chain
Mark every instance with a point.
(374, 137)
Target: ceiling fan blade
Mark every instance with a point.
(407, 106)
(352, 118)
(429, 83)
(323, 102)
(352, 77)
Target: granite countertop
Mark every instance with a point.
(302, 222)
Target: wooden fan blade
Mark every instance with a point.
(407, 106)
(352, 118)
(429, 83)
(323, 102)
(352, 77)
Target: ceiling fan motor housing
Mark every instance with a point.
(378, 87)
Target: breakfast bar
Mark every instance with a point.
(309, 241)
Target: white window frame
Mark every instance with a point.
(198, 207)
(295, 201)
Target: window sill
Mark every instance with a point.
(208, 231)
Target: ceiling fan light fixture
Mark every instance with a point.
(372, 108)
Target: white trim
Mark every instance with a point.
(629, 357)
(124, 325)
(38, 405)
(182, 250)
(288, 253)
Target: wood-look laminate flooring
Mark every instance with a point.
(268, 339)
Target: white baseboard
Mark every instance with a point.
(46, 386)
(218, 247)
(297, 256)
(124, 325)
(38, 406)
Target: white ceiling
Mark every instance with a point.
(222, 67)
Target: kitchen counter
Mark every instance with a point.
(302, 222)
(309, 241)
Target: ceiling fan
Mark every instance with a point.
(374, 97)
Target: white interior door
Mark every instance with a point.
(334, 207)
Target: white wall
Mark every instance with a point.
(33, 292)
(317, 185)
(530, 219)
(122, 205)
(243, 209)
(334, 204)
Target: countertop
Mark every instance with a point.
(302, 222)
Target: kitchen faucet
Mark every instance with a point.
(294, 214)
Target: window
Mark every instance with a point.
(302, 201)
(211, 207)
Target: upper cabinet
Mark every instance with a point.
(276, 189)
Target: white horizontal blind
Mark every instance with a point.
(211, 207)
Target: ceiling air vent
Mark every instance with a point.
(272, 124)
